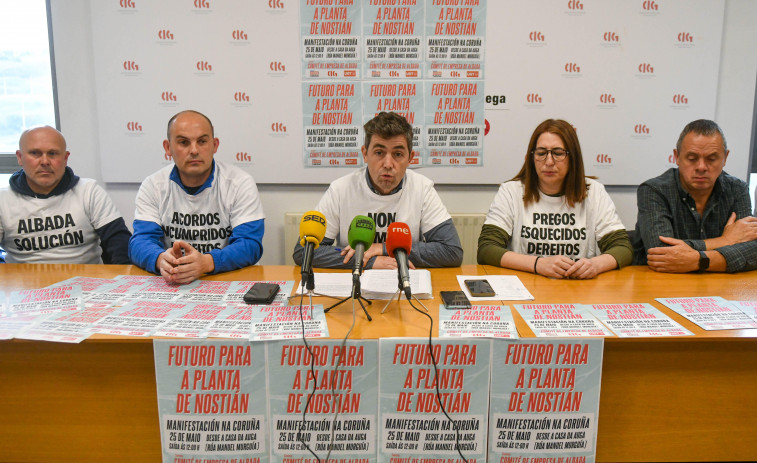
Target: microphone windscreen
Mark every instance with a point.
(398, 237)
(362, 230)
(312, 228)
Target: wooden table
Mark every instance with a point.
(669, 399)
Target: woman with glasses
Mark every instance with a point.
(551, 219)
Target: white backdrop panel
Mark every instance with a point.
(627, 74)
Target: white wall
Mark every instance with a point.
(78, 119)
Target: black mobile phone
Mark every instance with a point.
(479, 288)
(455, 300)
(261, 293)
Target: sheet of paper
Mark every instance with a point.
(709, 313)
(285, 322)
(139, 318)
(374, 284)
(71, 326)
(561, 320)
(193, 323)
(480, 321)
(44, 300)
(637, 320)
(506, 288)
(748, 307)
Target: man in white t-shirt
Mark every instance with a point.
(50, 215)
(198, 215)
(387, 192)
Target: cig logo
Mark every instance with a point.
(243, 157)
(610, 37)
(641, 129)
(202, 4)
(275, 4)
(133, 127)
(241, 97)
(278, 127)
(646, 68)
(277, 66)
(239, 35)
(204, 66)
(131, 66)
(536, 36)
(127, 4)
(165, 34)
(575, 5)
(649, 5)
(606, 98)
(604, 159)
(168, 96)
(685, 37)
(680, 98)
(533, 98)
(572, 67)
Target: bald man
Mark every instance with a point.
(50, 215)
(198, 215)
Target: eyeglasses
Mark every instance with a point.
(558, 154)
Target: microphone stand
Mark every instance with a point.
(399, 299)
(355, 296)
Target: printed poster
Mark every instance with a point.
(211, 401)
(393, 40)
(637, 320)
(44, 300)
(480, 321)
(323, 401)
(413, 424)
(455, 123)
(288, 322)
(561, 320)
(709, 313)
(748, 307)
(330, 34)
(455, 39)
(332, 121)
(545, 400)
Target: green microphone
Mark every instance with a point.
(360, 235)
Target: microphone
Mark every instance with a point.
(360, 235)
(398, 245)
(312, 231)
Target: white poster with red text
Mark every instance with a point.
(212, 401)
(323, 402)
(545, 400)
(420, 382)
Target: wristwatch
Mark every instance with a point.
(704, 261)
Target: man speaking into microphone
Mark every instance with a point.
(386, 192)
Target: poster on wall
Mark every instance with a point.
(210, 402)
(455, 39)
(419, 384)
(455, 123)
(330, 34)
(332, 123)
(545, 400)
(393, 40)
(323, 401)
